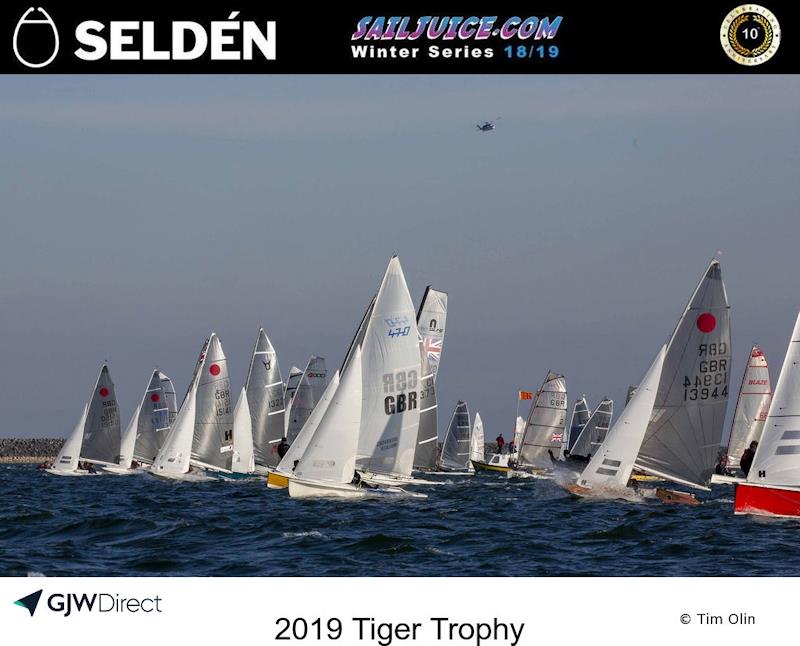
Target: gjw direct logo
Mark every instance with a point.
(37, 40)
(66, 604)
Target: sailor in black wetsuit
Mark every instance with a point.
(746, 461)
(283, 447)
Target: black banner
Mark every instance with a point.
(385, 38)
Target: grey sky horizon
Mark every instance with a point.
(141, 213)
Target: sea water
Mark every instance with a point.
(470, 526)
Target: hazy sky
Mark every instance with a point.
(141, 213)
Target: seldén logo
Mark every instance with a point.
(36, 41)
(103, 602)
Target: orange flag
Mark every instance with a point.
(524, 394)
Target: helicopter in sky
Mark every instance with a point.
(487, 126)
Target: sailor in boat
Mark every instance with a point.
(746, 460)
(501, 442)
(722, 466)
(576, 459)
(283, 447)
(511, 447)
(358, 482)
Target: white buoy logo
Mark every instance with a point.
(47, 20)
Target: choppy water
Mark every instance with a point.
(483, 525)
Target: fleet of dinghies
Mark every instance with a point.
(371, 430)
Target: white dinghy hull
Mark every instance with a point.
(77, 472)
(191, 476)
(310, 489)
(390, 481)
(727, 480)
(123, 471)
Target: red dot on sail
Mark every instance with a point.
(154, 397)
(706, 322)
(104, 392)
(214, 369)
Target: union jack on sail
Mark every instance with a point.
(433, 348)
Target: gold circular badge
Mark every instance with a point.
(750, 34)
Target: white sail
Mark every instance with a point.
(431, 320)
(212, 445)
(456, 443)
(306, 395)
(594, 431)
(580, 415)
(684, 435)
(544, 428)
(129, 440)
(152, 420)
(298, 447)
(101, 433)
(330, 454)
(392, 368)
(752, 406)
(477, 446)
(171, 402)
(777, 459)
(611, 466)
(69, 455)
(295, 375)
(519, 430)
(428, 431)
(174, 456)
(264, 388)
(243, 460)
(358, 337)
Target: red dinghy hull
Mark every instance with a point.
(767, 501)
